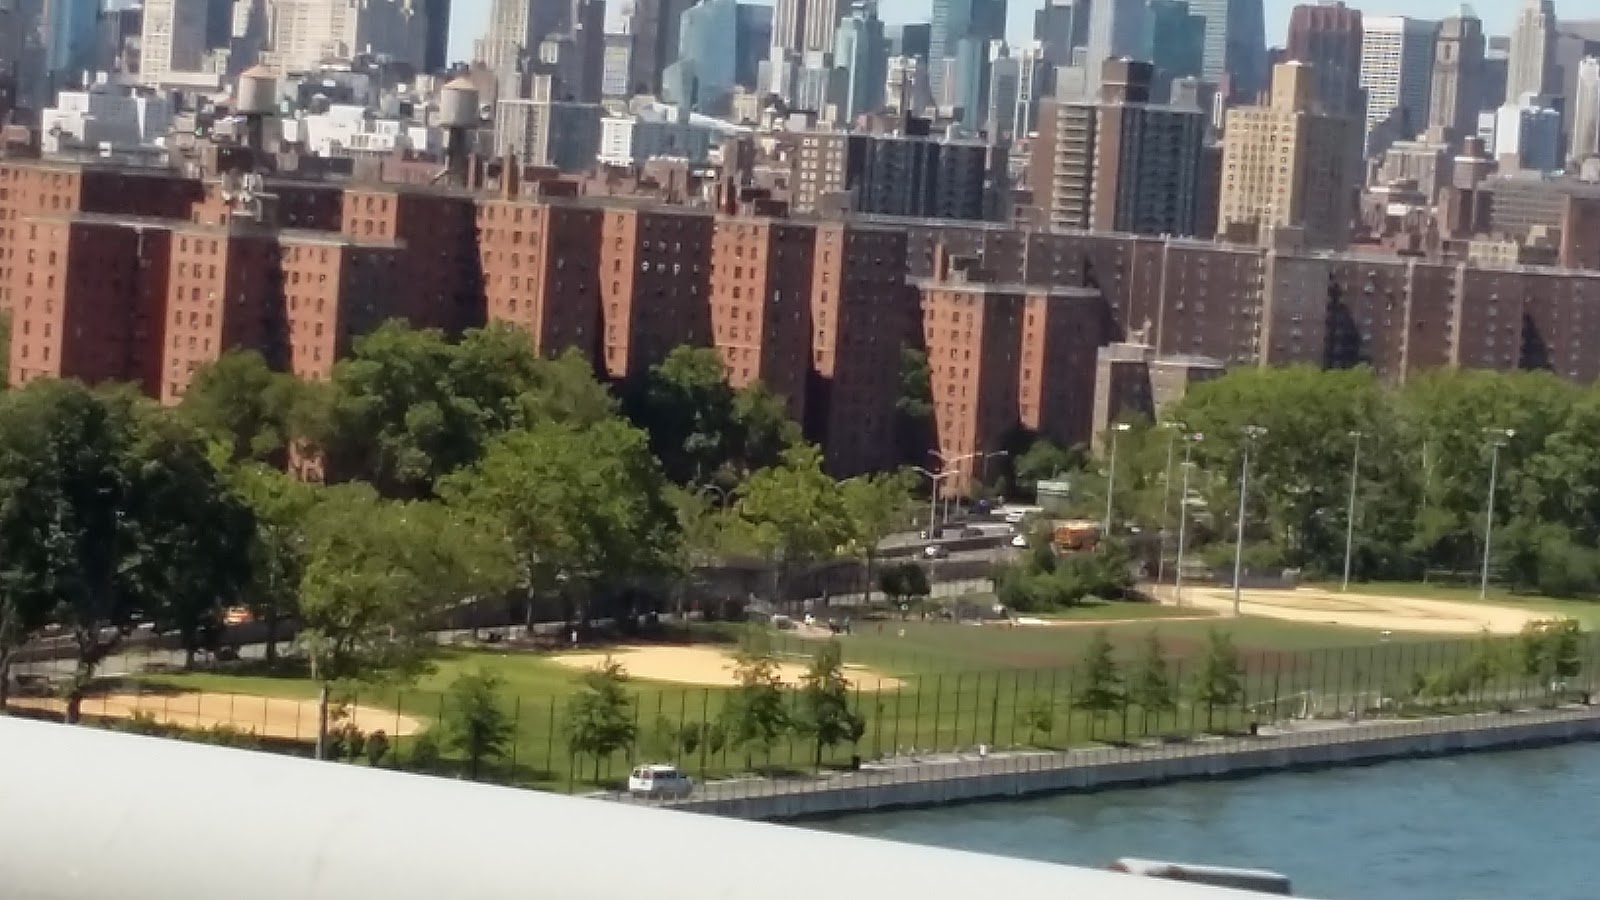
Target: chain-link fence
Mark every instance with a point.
(906, 721)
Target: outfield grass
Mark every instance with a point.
(962, 685)
(1585, 611)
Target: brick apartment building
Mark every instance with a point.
(141, 276)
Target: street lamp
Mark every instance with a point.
(933, 494)
(1350, 509)
(724, 497)
(1111, 474)
(1251, 433)
(945, 467)
(1183, 513)
(1497, 439)
(1166, 500)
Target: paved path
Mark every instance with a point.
(712, 796)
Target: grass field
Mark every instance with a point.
(960, 685)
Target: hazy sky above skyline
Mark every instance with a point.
(469, 16)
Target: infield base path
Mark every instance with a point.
(1373, 611)
(705, 666)
(274, 717)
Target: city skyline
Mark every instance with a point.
(469, 17)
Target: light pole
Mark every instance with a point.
(933, 495)
(1251, 433)
(1166, 501)
(1111, 475)
(724, 497)
(1497, 439)
(1350, 509)
(983, 478)
(1183, 514)
(945, 467)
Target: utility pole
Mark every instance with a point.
(1350, 510)
(1251, 433)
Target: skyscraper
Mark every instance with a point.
(1532, 68)
(1177, 45)
(1585, 111)
(1327, 37)
(1315, 192)
(1396, 68)
(861, 53)
(976, 22)
(1236, 45)
(1059, 26)
(1005, 72)
(1116, 30)
(705, 71)
(1457, 76)
(436, 51)
(172, 39)
(654, 27)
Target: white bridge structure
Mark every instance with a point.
(88, 814)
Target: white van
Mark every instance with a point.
(659, 781)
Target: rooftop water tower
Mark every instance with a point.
(458, 115)
(257, 99)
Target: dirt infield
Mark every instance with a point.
(274, 717)
(705, 666)
(1374, 611)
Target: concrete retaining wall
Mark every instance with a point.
(1234, 759)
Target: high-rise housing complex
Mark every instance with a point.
(1116, 30)
(1457, 96)
(1119, 163)
(172, 38)
(1236, 45)
(1585, 111)
(909, 174)
(1533, 47)
(1287, 166)
(1396, 69)
(1177, 44)
(1327, 37)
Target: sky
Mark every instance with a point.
(469, 16)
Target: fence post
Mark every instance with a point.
(994, 711)
(516, 732)
(1016, 687)
(898, 688)
(322, 721)
(677, 737)
(938, 702)
(705, 731)
(550, 740)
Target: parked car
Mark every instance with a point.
(659, 781)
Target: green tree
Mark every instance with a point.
(903, 582)
(376, 575)
(877, 505)
(825, 712)
(194, 535)
(599, 718)
(240, 403)
(578, 507)
(25, 600)
(798, 513)
(1102, 688)
(1219, 683)
(1151, 687)
(282, 506)
(755, 715)
(476, 723)
(1043, 461)
(914, 407)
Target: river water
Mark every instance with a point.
(1498, 826)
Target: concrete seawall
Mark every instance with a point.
(1108, 768)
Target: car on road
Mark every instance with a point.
(659, 781)
(1020, 540)
(936, 551)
